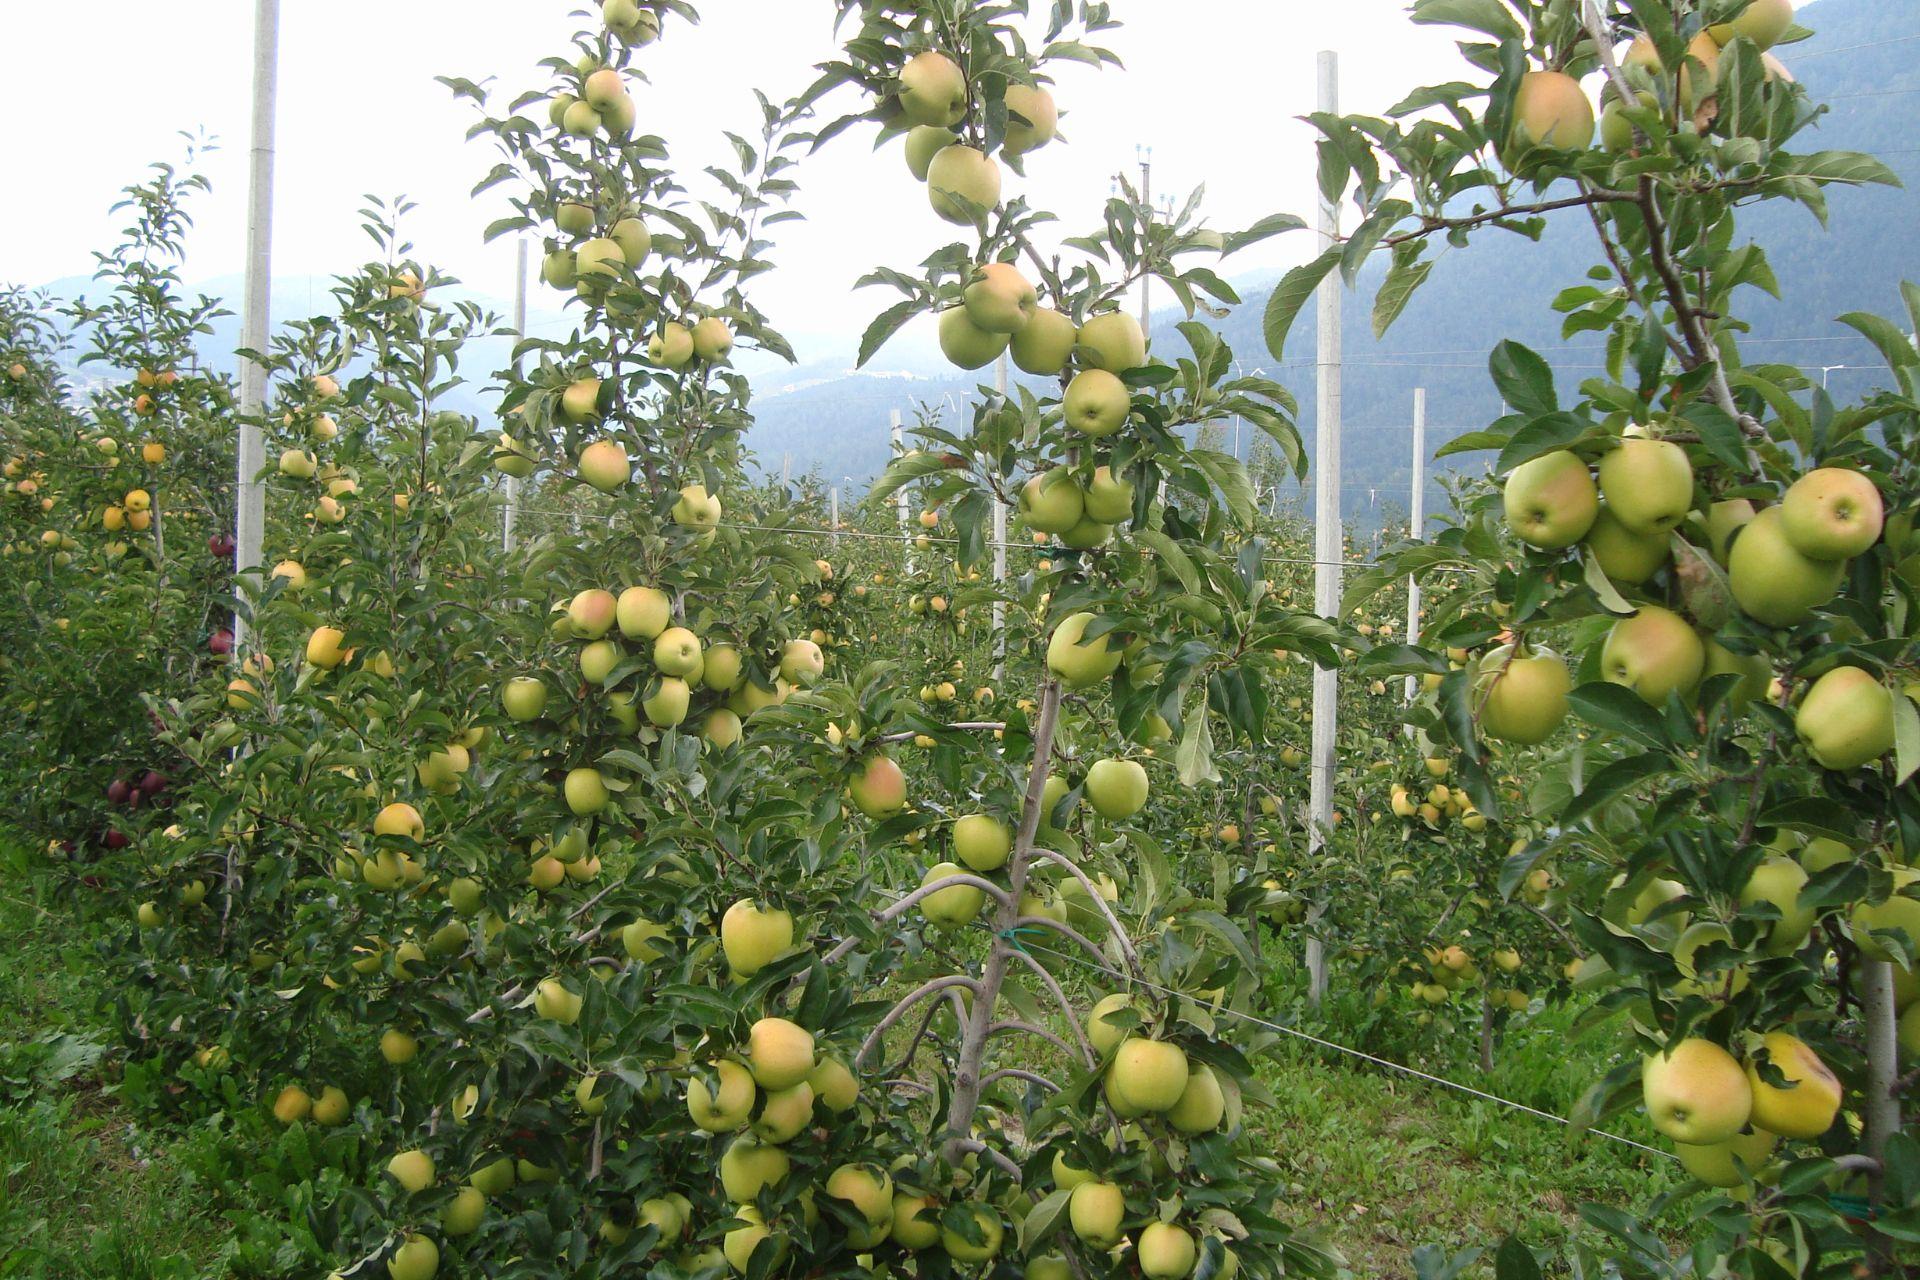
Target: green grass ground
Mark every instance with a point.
(84, 1192)
(1379, 1163)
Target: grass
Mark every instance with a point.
(84, 1193)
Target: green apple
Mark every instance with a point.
(642, 613)
(780, 1053)
(1045, 343)
(1832, 514)
(982, 841)
(603, 88)
(753, 936)
(721, 728)
(1763, 22)
(560, 269)
(1095, 1211)
(1752, 669)
(954, 905)
(671, 346)
(1772, 581)
(960, 181)
(464, 1213)
(573, 218)
(1522, 699)
(1166, 1251)
(1117, 789)
(986, 1225)
(1081, 663)
(1626, 557)
(1715, 1163)
(1654, 653)
(511, 458)
(635, 241)
(586, 792)
(1112, 341)
(1551, 110)
(1696, 1092)
(712, 339)
(802, 663)
(721, 668)
(1724, 519)
(1551, 501)
(524, 698)
(1149, 1075)
(412, 1170)
(1846, 719)
(998, 299)
(417, 1258)
(1109, 498)
(1103, 1033)
(676, 652)
(965, 343)
(1202, 1106)
(603, 464)
(933, 90)
(598, 659)
(638, 938)
(553, 1001)
(1032, 118)
(868, 1191)
(591, 613)
(695, 508)
(784, 1113)
(1096, 403)
(667, 706)
(834, 1086)
(1899, 912)
(600, 260)
(924, 142)
(1087, 535)
(1809, 1104)
(1052, 502)
(749, 1166)
(580, 119)
(1648, 484)
(725, 1105)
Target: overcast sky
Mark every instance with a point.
(1212, 86)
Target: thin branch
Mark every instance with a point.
(1015, 1073)
(905, 1005)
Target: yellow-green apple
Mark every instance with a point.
(591, 613)
(1551, 110)
(721, 728)
(1096, 403)
(1032, 118)
(924, 142)
(603, 88)
(512, 458)
(676, 652)
(1095, 1211)
(1117, 788)
(603, 464)
(598, 659)
(933, 90)
(696, 508)
(712, 339)
(1551, 501)
(1752, 669)
(879, 790)
(1624, 556)
(965, 343)
(417, 1258)
(916, 1221)
(784, 1113)
(667, 705)
(955, 905)
(834, 1086)
(720, 669)
(961, 181)
(638, 939)
(298, 463)
(573, 218)
(1202, 1106)
(1832, 514)
(1522, 697)
(1715, 1163)
(1166, 1251)
(671, 346)
(1654, 653)
(1149, 1075)
(1103, 1032)
(1087, 535)
(989, 1229)
(631, 21)
(1052, 502)
(412, 1170)
(982, 841)
(635, 241)
(292, 1104)
(494, 1178)
(1112, 341)
(1899, 912)
(399, 819)
(1763, 22)
(331, 1107)
(1846, 719)
(999, 299)
(600, 259)
(561, 269)
(1807, 1106)
(868, 1191)
(1778, 880)
(1045, 343)
(1773, 581)
(1696, 1092)
(324, 648)
(749, 1166)
(1724, 519)
(752, 936)
(1081, 663)
(553, 1001)
(464, 1213)
(586, 792)
(1109, 498)
(801, 663)
(779, 1053)
(642, 613)
(1648, 484)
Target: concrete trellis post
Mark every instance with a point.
(1416, 525)
(250, 496)
(511, 517)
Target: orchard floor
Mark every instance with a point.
(1379, 1164)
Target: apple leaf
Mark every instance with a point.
(1613, 782)
(1524, 379)
(1290, 295)
(1043, 1219)
(1906, 739)
(1515, 1261)
(884, 326)
(1617, 709)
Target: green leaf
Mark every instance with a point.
(1906, 739)
(1515, 1261)
(1835, 166)
(1290, 295)
(1043, 1219)
(884, 326)
(1616, 709)
(1524, 379)
(1488, 17)
(1613, 782)
(1396, 291)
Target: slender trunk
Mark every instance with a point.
(1882, 1103)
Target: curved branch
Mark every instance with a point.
(912, 1086)
(1072, 934)
(1015, 1073)
(1014, 1024)
(977, 1147)
(905, 1004)
(1059, 994)
(1100, 902)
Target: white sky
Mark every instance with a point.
(1212, 86)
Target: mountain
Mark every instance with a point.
(1862, 62)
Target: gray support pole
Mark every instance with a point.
(900, 496)
(833, 497)
(250, 496)
(1882, 1109)
(1326, 540)
(1416, 525)
(1000, 557)
(512, 516)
